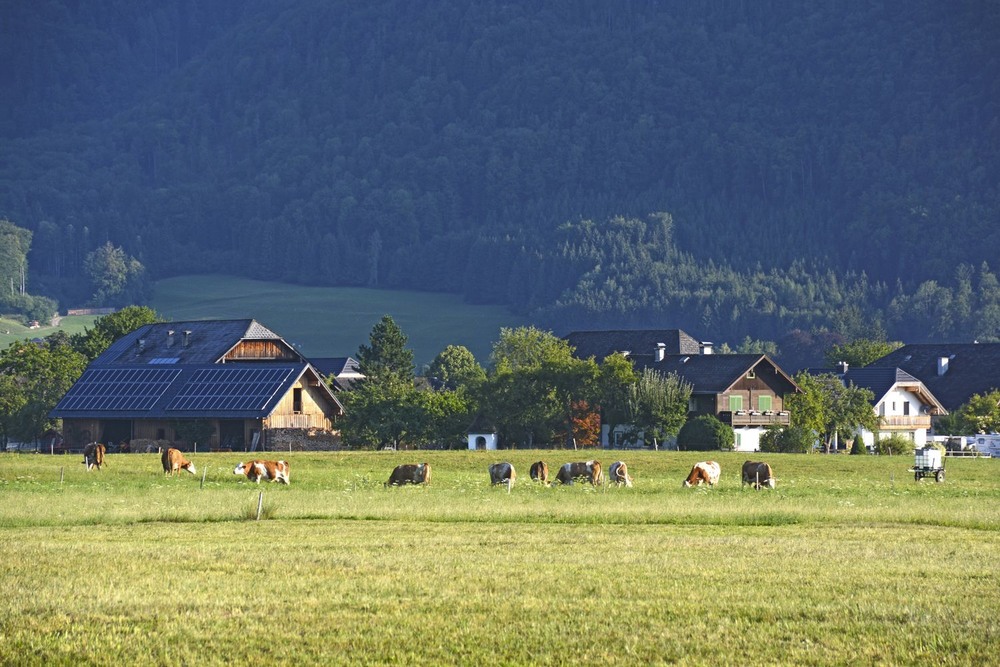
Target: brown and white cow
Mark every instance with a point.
(704, 471)
(410, 473)
(256, 470)
(618, 473)
(502, 473)
(173, 461)
(539, 472)
(589, 470)
(758, 474)
(93, 455)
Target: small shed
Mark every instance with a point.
(482, 435)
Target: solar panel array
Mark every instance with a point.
(220, 389)
(118, 389)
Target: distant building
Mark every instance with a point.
(239, 377)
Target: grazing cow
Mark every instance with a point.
(502, 473)
(93, 455)
(758, 474)
(276, 471)
(590, 470)
(704, 471)
(410, 473)
(539, 472)
(618, 473)
(173, 461)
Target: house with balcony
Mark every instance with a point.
(904, 404)
(746, 391)
(236, 382)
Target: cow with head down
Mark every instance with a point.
(704, 472)
(502, 473)
(758, 474)
(410, 473)
(173, 462)
(588, 470)
(256, 470)
(539, 472)
(618, 473)
(93, 455)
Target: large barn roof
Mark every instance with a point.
(218, 391)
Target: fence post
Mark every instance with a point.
(203, 471)
(260, 504)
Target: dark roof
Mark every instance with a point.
(716, 373)
(600, 344)
(878, 380)
(972, 368)
(240, 390)
(193, 342)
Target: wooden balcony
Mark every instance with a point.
(755, 418)
(905, 422)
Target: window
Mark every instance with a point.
(297, 400)
(735, 403)
(881, 409)
(751, 374)
(906, 408)
(764, 403)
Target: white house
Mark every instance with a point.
(903, 403)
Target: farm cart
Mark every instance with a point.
(927, 462)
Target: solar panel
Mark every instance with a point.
(118, 389)
(220, 389)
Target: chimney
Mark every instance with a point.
(187, 337)
(170, 338)
(942, 364)
(706, 347)
(842, 367)
(661, 352)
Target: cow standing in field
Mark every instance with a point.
(93, 455)
(618, 473)
(758, 474)
(173, 461)
(410, 473)
(502, 473)
(539, 472)
(707, 472)
(276, 471)
(589, 470)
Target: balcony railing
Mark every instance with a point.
(905, 421)
(755, 418)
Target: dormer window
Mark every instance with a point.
(751, 374)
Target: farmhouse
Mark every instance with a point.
(904, 404)
(746, 391)
(231, 384)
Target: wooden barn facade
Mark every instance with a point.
(218, 384)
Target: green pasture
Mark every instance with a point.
(335, 321)
(12, 330)
(848, 561)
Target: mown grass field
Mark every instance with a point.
(848, 561)
(12, 330)
(334, 321)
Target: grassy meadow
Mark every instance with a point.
(848, 561)
(12, 330)
(334, 321)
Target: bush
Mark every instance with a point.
(859, 446)
(894, 445)
(792, 440)
(705, 433)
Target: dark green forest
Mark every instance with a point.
(775, 170)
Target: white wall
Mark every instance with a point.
(892, 405)
(490, 440)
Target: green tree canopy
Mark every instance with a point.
(657, 404)
(117, 278)
(859, 352)
(456, 366)
(827, 407)
(387, 357)
(705, 433)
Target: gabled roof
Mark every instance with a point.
(600, 344)
(191, 342)
(969, 369)
(717, 373)
(881, 380)
(337, 366)
(239, 390)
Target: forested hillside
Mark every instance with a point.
(737, 168)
